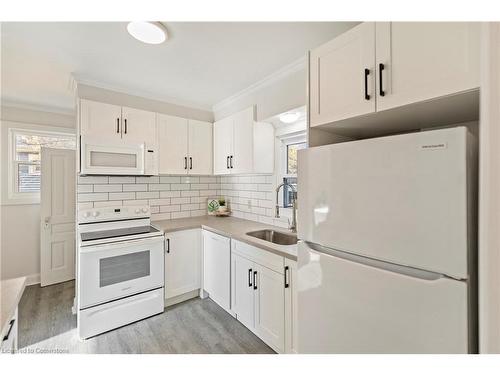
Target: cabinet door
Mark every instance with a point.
(216, 268)
(243, 138)
(200, 147)
(291, 317)
(100, 120)
(242, 292)
(270, 308)
(338, 70)
(182, 262)
(223, 145)
(173, 144)
(425, 60)
(139, 126)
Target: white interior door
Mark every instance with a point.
(57, 201)
(200, 147)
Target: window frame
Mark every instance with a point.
(14, 196)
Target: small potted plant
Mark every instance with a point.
(222, 205)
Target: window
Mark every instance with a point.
(291, 156)
(289, 170)
(26, 147)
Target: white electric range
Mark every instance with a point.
(120, 268)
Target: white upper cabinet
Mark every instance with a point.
(185, 145)
(383, 65)
(139, 126)
(223, 145)
(182, 262)
(242, 145)
(342, 76)
(173, 141)
(241, 160)
(101, 120)
(200, 147)
(425, 60)
(111, 122)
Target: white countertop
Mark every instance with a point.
(231, 227)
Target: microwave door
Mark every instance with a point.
(112, 159)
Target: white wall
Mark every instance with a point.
(20, 224)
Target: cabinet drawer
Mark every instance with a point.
(259, 256)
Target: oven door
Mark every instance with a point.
(111, 158)
(111, 271)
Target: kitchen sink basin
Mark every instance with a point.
(278, 238)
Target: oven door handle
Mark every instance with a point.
(118, 244)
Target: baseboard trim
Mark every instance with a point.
(33, 279)
(183, 297)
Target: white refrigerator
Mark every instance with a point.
(387, 231)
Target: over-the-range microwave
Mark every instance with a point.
(110, 157)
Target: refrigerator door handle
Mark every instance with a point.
(386, 266)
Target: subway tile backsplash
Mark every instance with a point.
(171, 197)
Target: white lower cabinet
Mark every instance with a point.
(291, 332)
(216, 268)
(9, 336)
(182, 262)
(258, 294)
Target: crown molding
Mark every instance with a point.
(139, 93)
(6, 102)
(278, 75)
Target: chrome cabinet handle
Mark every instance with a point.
(254, 280)
(287, 284)
(250, 277)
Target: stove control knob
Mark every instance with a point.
(137, 211)
(86, 214)
(144, 209)
(95, 213)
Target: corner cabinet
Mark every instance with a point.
(378, 66)
(182, 262)
(242, 145)
(185, 146)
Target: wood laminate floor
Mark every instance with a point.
(195, 326)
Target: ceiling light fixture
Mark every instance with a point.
(148, 32)
(290, 117)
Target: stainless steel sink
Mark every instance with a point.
(278, 238)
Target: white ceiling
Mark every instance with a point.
(200, 65)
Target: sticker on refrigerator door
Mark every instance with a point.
(434, 146)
